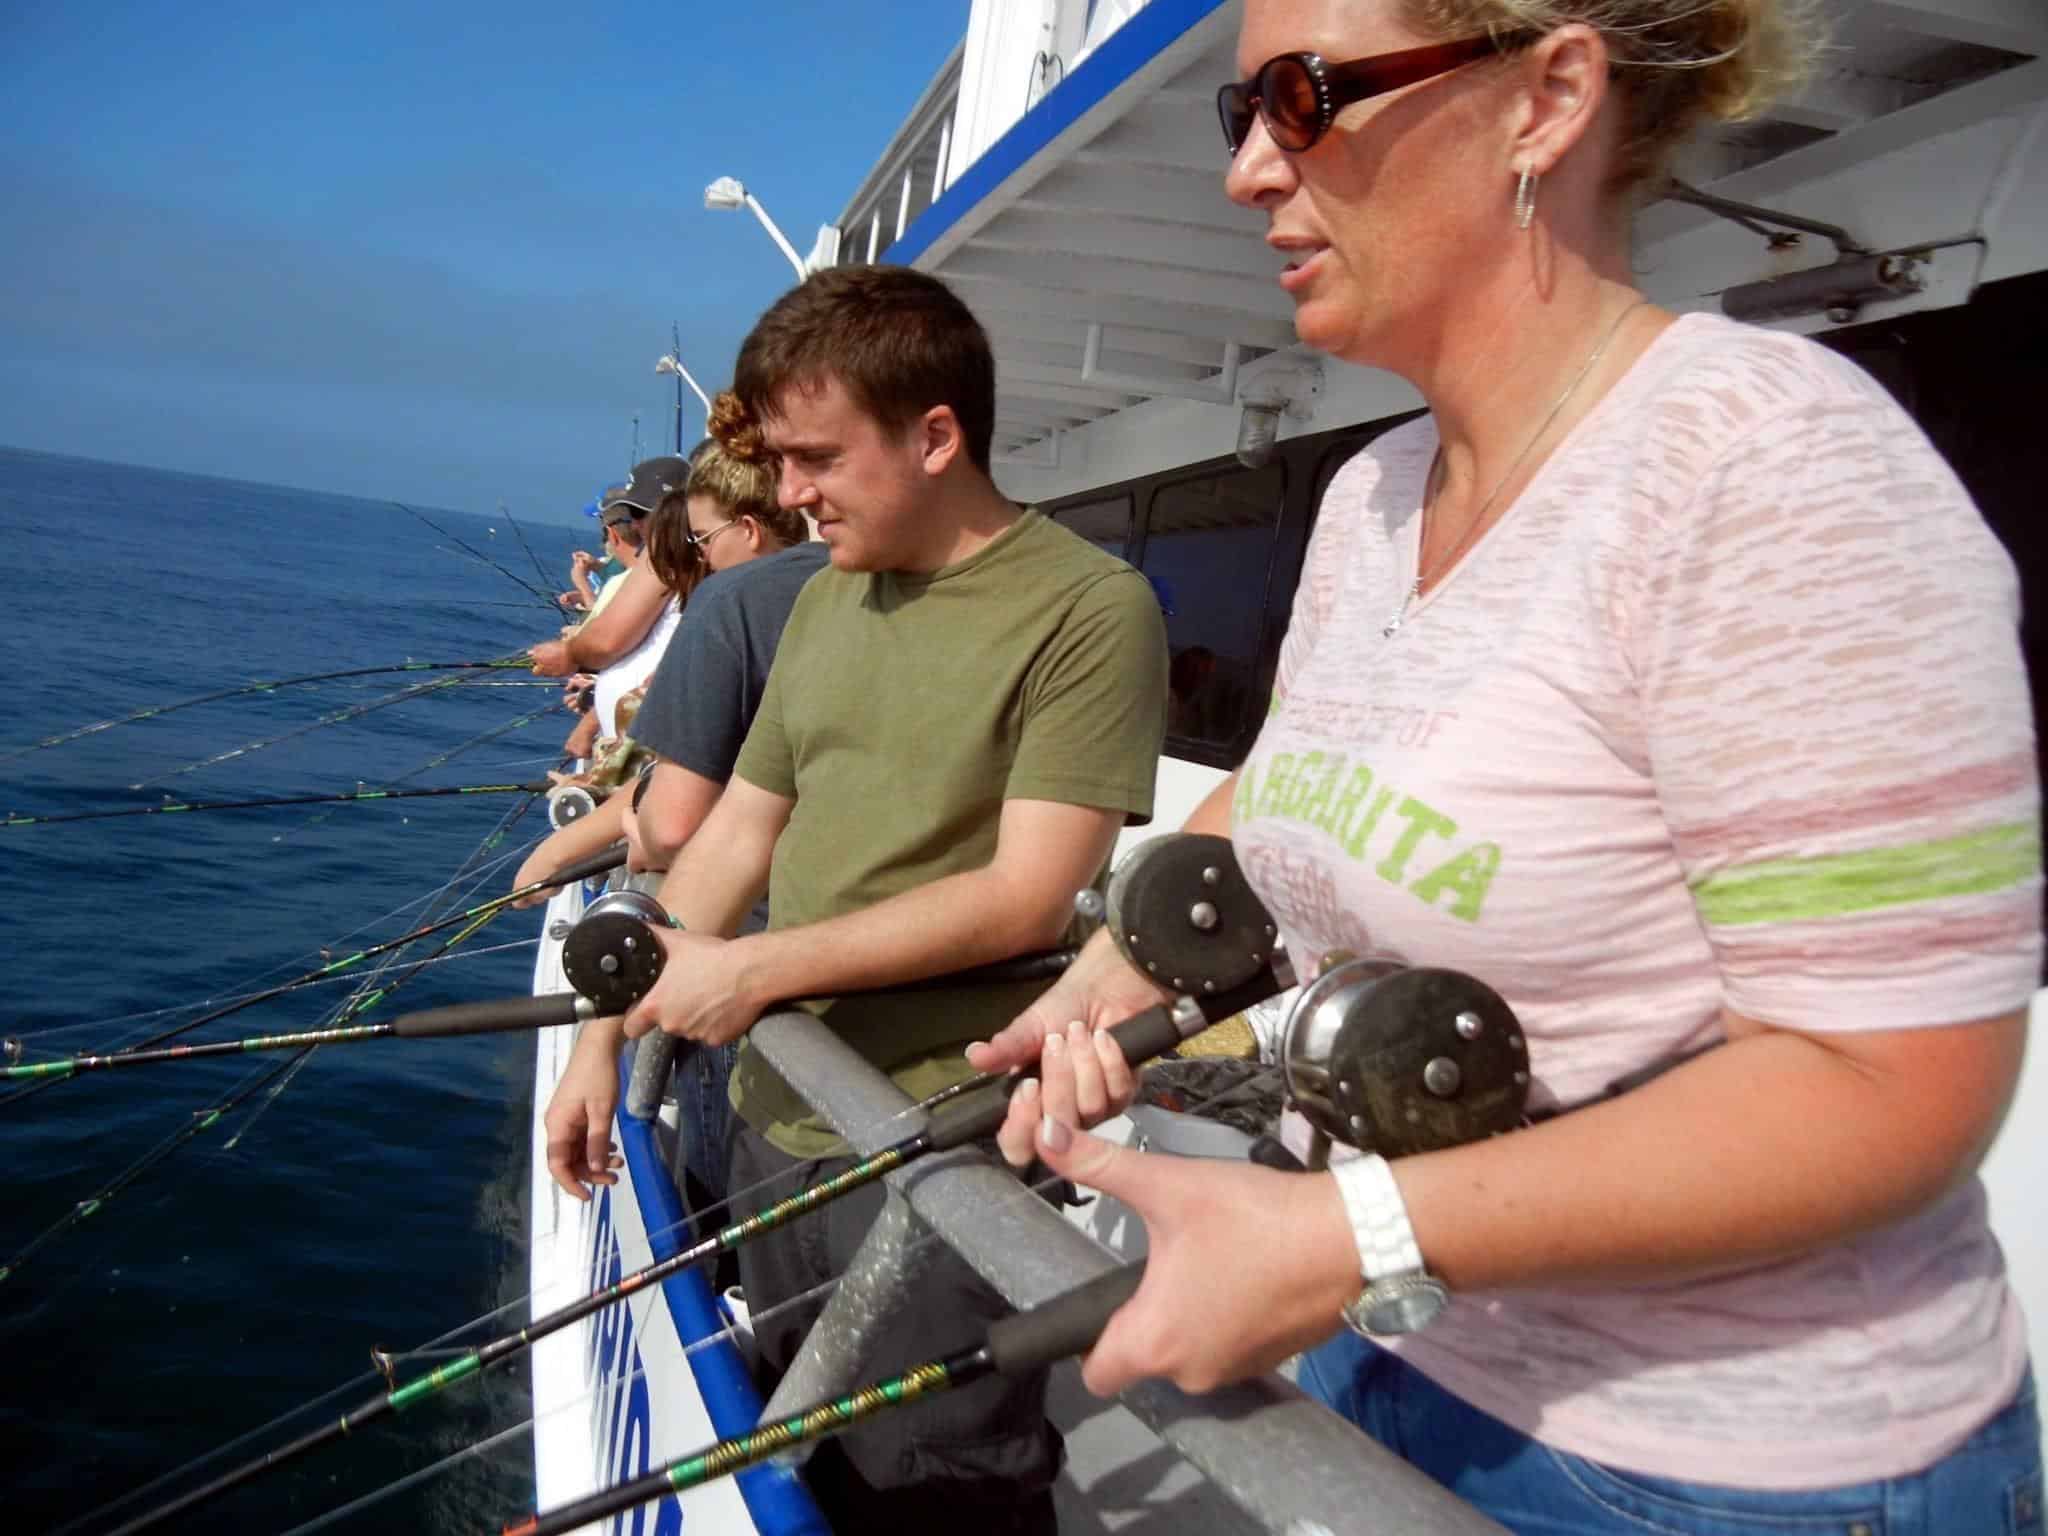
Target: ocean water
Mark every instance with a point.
(377, 1199)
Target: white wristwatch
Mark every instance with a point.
(1400, 1295)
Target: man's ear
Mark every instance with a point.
(940, 440)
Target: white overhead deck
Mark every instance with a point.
(1093, 238)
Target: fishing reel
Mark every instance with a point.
(1180, 910)
(1399, 1059)
(567, 803)
(611, 956)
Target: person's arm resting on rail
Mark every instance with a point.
(1021, 900)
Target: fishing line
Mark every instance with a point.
(506, 1347)
(518, 659)
(434, 1469)
(323, 952)
(614, 1385)
(205, 1119)
(354, 712)
(520, 581)
(453, 752)
(269, 802)
(520, 533)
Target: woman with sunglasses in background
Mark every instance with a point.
(755, 556)
(1729, 769)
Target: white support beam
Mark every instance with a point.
(2018, 26)
(1110, 238)
(1044, 338)
(1090, 185)
(1181, 136)
(1185, 320)
(1222, 390)
(1254, 298)
(1029, 381)
(1839, 99)
(1058, 360)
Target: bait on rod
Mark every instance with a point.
(596, 864)
(173, 808)
(1030, 1341)
(503, 663)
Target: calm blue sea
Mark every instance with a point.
(377, 1200)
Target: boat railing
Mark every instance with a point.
(908, 177)
(1290, 1465)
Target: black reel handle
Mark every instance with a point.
(490, 1017)
(1141, 1037)
(1064, 1327)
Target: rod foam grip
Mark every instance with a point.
(597, 864)
(493, 1016)
(1063, 1327)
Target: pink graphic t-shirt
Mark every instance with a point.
(1727, 710)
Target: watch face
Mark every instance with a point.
(1399, 1306)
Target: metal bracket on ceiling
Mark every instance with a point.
(1222, 390)
(1758, 221)
(1838, 289)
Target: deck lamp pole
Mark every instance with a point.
(726, 192)
(672, 363)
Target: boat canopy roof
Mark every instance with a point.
(1078, 208)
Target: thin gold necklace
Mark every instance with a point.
(1400, 614)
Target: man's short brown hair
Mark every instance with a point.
(897, 341)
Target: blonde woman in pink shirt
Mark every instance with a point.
(1665, 678)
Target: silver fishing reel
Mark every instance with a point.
(567, 803)
(1397, 1059)
(1180, 909)
(611, 956)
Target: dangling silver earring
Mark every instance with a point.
(1525, 197)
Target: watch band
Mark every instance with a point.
(1379, 1218)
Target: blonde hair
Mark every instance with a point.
(735, 469)
(738, 471)
(1677, 61)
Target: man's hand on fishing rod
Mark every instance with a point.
(1085, 1076)
(551, 658)
(1245, 1266)
(705, 992)
(579, 1116)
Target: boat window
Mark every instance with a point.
(1208, 550)
(1104, 522)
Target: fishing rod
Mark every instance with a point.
(205, 1119)
(271, 685)
(476, 554)
(1436, 1034)
(602, 996)
(172, 808)
(1029, 1341)
(520, 534)
(612, 954)
(596, 864)
(354, 712)
(478, 740)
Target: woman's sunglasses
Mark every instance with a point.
(1299, 95)
(697, 541)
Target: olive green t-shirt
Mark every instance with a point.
(901, 712)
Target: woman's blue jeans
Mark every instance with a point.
(1988, 1486)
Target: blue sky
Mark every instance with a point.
(429, 252)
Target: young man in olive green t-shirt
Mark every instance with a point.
(965, 708)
